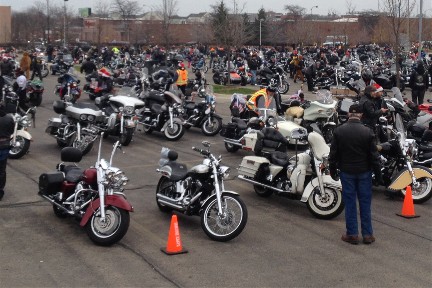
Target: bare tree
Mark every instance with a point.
(126, 9)
(102, 10)
(167, 10)
(351, 8)
(296, 31)
(397, 13)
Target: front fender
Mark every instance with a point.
(207, 116)
(175, 120)
(403, 178)
(23, 134)
(328, 182)
(110, 200)
(222, 194)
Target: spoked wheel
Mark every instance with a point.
(228, 225)
(20, 148)
(283, 87)
(166, 188)
(328, 206)
(111, 230)
(175, 132)
(422, 192)
(211, 126)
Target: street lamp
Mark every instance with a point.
(64, 24)
(260, 20)
(48, 22)
(312, 8)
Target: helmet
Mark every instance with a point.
(367, 75)
(104, 73)
(180, 65)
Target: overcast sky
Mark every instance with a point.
(185, 7)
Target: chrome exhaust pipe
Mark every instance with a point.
(169, 202)
(241, 177)
(233, 142)
(58, 205)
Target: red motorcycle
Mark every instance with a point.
(94, 195)
(35, 90)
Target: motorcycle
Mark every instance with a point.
(94, 196)
(321, 111)
(68, 89)
(122, 116)
(302, 177)
(77, 126)
(35, 90)
(202, 114)
(265, 76)
(63, 63)
(162, 112)
(201, 191)
(400, 168)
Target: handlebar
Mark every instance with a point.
(201, 151)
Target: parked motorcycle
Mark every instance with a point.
(201, 191)
(202, 114)
(35, 90)
(77, 126)
(94, 195)
(162, 113)
(68, 90)
(265, 76)
(122, 116)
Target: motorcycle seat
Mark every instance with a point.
(73, 173)
(156, 108)
(190, 105)
(425, 147)
(279, 158)
(178, 171)
(241, 124)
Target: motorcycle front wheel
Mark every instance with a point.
(423, 192)
(283, 87)
(36, 99)
(126, 136)
(211, 126)
(327, 207)
(110, 231)
(175, 132)
(20, 148)
(230, 224)
(44, 71)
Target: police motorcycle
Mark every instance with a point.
(200, 191)
(77, 125)
(93, 196)
(20, 138)
(122, 116)
(304, 177)
(202, 114)
(321, 111)
(162, 107)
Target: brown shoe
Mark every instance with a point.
(350, 239)
(369, 239)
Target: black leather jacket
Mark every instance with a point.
(371, 110)
(353, 149)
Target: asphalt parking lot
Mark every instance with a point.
(283, 245)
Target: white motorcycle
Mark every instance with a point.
(20, 139)
(321, 111)
(302, 177)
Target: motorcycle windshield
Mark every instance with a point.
(324, 97)
(172, 98)
(399, 126)
(398, 95)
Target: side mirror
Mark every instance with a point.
(206, 144)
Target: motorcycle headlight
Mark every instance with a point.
(83, 117)
(116, 178)
(128, 110)
(330, 111)
(225, 170)
(91, 118)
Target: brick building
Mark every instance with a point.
(5, 24)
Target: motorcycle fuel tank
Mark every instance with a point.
(200, 169)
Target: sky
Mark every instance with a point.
(186, 7)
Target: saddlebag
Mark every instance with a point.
(50, 182)
(229, 130)
(251, 164)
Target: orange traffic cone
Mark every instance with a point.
(408, 205)
(174, 245)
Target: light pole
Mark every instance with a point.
(64, 24)
(260, 33)
(311, 9)
(420, 30)
(48, 23)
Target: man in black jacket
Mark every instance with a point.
(419, 82)
(88, 67)
(6, 130)
(353, 151)
(372, 106)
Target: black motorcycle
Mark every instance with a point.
(202, 114)
(265, 76)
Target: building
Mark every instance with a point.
(5, 24)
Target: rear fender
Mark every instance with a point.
(327, 181)
(110, 200)
(403, 178)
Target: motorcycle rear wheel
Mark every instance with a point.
(231, 147)
(262, 191)
(20, 150)
(164, 187)
(112, 230)
(211, 128)
(59, 212)
(328, 207)
(422, 193)
(227, 226)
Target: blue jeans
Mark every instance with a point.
(253, 80)
(357, 186)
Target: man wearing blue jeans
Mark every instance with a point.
(353, 151)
